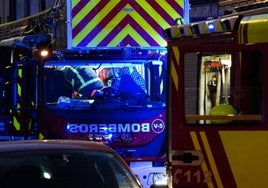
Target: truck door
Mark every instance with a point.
(218, 132)
(217, 122)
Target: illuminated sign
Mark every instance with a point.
(156, 126)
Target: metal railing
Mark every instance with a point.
(40, 24)
(17, 28)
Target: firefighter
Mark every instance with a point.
(85, 82)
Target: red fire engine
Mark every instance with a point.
(109, 84)
(217, 117)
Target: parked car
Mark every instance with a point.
(63, 163)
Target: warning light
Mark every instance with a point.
(44, 53)
(211, 26)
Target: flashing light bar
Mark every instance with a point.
(211, 26)
(228, 24)
(203, 27)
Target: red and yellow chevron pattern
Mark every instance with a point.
(115, 23)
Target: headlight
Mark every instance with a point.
(157, 179)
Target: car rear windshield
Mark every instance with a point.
(63, 169)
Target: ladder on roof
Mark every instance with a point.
(17, 28)
(38, 21)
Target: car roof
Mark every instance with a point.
(22, 145)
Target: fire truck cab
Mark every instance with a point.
(106, 81)
(113, 95)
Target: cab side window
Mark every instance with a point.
(248, 85)
(223, 87)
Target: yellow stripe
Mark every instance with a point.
(41, 136)
(94, 21)
(247, 156)
(74, 2)
(170, 10)
(176, 53)
(257, 29)
(240, 34)
(174, 74)
(211, 160)
(19, 86)
(19, 90)
(119, 17)
(203, 164)
(151, 11)
(146, 26)
(128, 30)
(83, 12)
(20, 73)
(16, 123)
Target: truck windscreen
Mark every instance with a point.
(113, 84)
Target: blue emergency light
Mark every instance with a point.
(211, 26)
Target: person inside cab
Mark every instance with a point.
(84, 80)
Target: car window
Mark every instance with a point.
(63, 169)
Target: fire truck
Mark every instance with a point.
(217, 117)
(108, 85)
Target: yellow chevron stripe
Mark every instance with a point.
(107, 29)
(174, 74)
(93, 22)
(83, 12)
(211, 160)
(126, 31)
(144, 24)
(170, 10)
(151, 11)
(203, 164)
(74, 2)
(121, 15)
